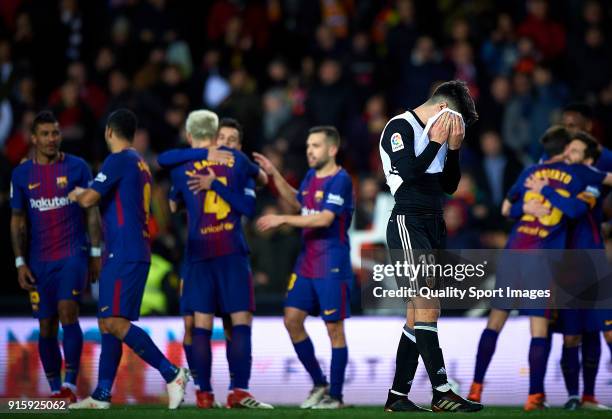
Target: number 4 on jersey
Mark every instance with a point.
(214, 204)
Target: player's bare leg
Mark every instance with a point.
(68, 312)
(486, 349)
(497, 319)
(188, 322)
(427, 312)
(239, 360)
(48, 327)
(333, 400)
(538, 357)
(294, 323)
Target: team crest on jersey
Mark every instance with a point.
(396, 142)
(318, 196)
(61, 181)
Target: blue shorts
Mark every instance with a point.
(122, 285)
(528, 271)
(577, 322)
(63, 279)
(222, 285)
(536, 312)
(329, 297)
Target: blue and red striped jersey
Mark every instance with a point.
(214, 225)
(125, 182)
(57, 227)
(585, 232)
(326, 251)
(550, 231)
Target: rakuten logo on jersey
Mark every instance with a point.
(308, 211)
(48, 204)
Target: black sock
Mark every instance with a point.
(429, 348)
(406, 362)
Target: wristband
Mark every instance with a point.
(95, 252)
(19, 261)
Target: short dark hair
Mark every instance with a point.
(457, 95)
(331, 133)
(232, 123)
(554, 140)
(124, 123)
(592, 146)
(44, 117)
(581, 108)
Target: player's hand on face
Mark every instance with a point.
(536, 208)
(74, 194)
(557, 158)
(198, 183)
(457, 133)
(268, 222)
(264, 163)
(440, 129)
(95, 266)
(535, 184)
(221, 156)
(25, 278)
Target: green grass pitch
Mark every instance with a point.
(153, 411)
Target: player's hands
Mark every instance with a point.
(74, 194)
(440, 129)
(25, 278)
(198, 183)
(95, 266)
(456, 134)
(557, 158)
(268, 222)
(535, 183)
(265, 164)
(221, 156)
(536, 208)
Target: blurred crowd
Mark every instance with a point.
(282, 66)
